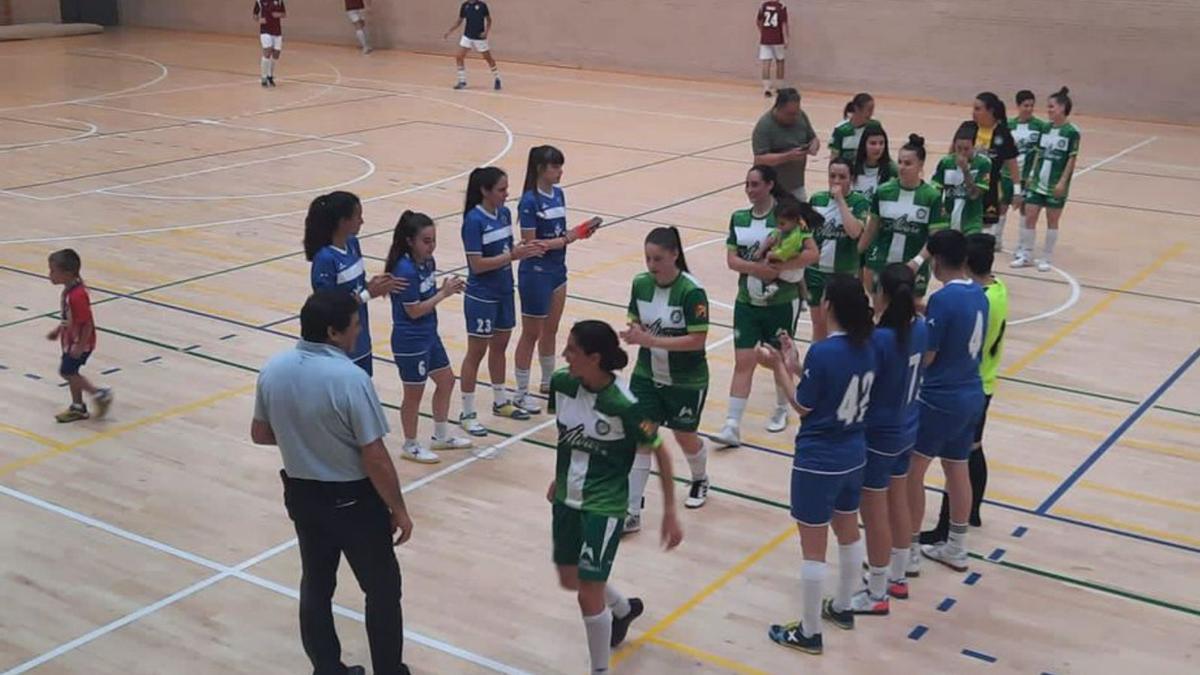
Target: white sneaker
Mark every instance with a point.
(697, 494)
(1043, 265)
(470, 424)
(527, 403)
(951, 556)
(778, 421)
(913, 568)
(1019, 261)
(450, 443)
(729, 437)
(633, 523)
(414, 452)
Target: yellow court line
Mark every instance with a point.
(1151, 446)
(1122, 525)
(701, 655)
(1012, 393)
(1051, 477)
(667, 621)
(25, 433)
(1111, 297)
(56, 448)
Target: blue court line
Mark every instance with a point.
(972, 578)
(945, 605)
(23, 309)
(276, 322)
(918, 632)
(152, 359)
(987, 658)
(1020, 531)
(3, 367)
(190, 348)
(33, 376)
(110, 371)
(229, 337)
(996, 555)
(1116, 434)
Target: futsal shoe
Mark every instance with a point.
(496, 86)
(633, 523)
(73, 414)
(791, 636)
(1043, 265)
(1019, 261)
(264, 83)
(103, 399)
(620, 626)
(778, 421)
(271, 80)
(414, 452)
(896, 589)
(509, 410)
(951, 556)
(697, 494)
(843, 619)
(450, 443)
(729, 436)
(460, 85)
(528, 403)
(470, 424)
(862, 603)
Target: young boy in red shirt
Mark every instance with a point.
(77, 335)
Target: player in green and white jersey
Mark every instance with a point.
(963, 176)
(600, 430)
(872, 164)
(1027, 131)
(845, 138)
(757, 320)
(904, 212)
(1049, 181)
(668, 321)
(845, 215)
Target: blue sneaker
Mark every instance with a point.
(789, 635)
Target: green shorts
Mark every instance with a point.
(922, 280)
(586, 540)
(754, 324)
(673, 407)
(815, 280)
(1046, 201)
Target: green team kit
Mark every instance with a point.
(867, 183)
(1027, 135)
(839, 251)
(599, 433)
(756, 319)
(670, 386)
(906, 219)
(1056, 147)
(962, 212)
(846, 136)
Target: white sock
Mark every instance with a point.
(1027, 240)
(411, 444)
(638, 477)
(615, 601)
(362, 37)
(998, 228)
(264, 66)
(522, 382)
(468, 407)
(547, 364)
(782, 399)
(698, 463)
(767, 85)
(462, 75)
(499, 394)
(441, 430)
(496, 72)
(850, 560)
(812, 581)
(271, 68)
(898, 564)
(1048, 247)
(958, 536)
(877, 582)
(737, 408)
(599, 634)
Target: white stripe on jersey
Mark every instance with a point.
(498, 234)
(553, 212)
(351, 273)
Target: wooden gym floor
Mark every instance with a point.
(155, 541)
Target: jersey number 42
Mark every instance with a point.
(853, 408)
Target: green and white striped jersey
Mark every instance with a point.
(747, 236)
(906, 218)
(839, 251)
(845, 138)
(1055, 149)
(671, 311)
(964, 214)
(1027, 135)
(599, 433)
(868, 182)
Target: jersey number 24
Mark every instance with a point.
(853, 408)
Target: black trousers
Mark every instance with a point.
(335, 519)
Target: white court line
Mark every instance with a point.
(84, 133)
(1070, 302)
(1118, 155)
(149, 83)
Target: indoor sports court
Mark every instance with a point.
(155, 540)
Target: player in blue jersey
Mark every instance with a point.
(542, 281)
(951, 397)
(489, 308)
(831, 451)
(331, 245)
(416, 345)
(899, 341)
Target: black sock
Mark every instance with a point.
(977, 466)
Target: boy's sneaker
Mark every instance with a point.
(1020, 260)
(414, 452)
(264, 83)
(1043, 265)
(951, 556)
(103, 399)
(633, 523)
(620, 627)
(470, 424)
(450, 443)
(730, 436)
(73, 414)
(790, 635)
(271, 80)
(697, 494)
(778, 421)
(510, 411)
(460, 85)
(843, 619)
(862, 603)
(528, 403)
(496, 86)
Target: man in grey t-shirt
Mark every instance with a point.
(339, 484)
(784, 138)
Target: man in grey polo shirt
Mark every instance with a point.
(339, 484)
(784, 138)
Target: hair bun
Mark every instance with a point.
(916, 140)
(1063, 90)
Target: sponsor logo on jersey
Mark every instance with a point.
(676, 315)
(603, 428)
(575, 439)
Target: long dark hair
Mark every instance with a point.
(668, 238)
(860, 101)
(407, 228)
(1063, 97)
(790, 208)
(897, 282)
(597, 337)
(324, 214)
(483, 178)
(996, 107)
(848, 302)
(860, 156)
(540, 157)
(967, 131)
(769, 175)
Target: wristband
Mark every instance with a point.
(364, 295)
(919, 260)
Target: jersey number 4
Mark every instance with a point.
(975, 346)
(771, 19)
(853, 408)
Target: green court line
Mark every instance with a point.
(1095, 394)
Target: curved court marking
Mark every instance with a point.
(84, 133)
(149, 83)
(509, 139)
(1070, 302)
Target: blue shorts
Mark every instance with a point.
(486, 317)
(881, 469)
(415, 367)
(815, 496)
(70, 365)
(945, 434)
(537, 290)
